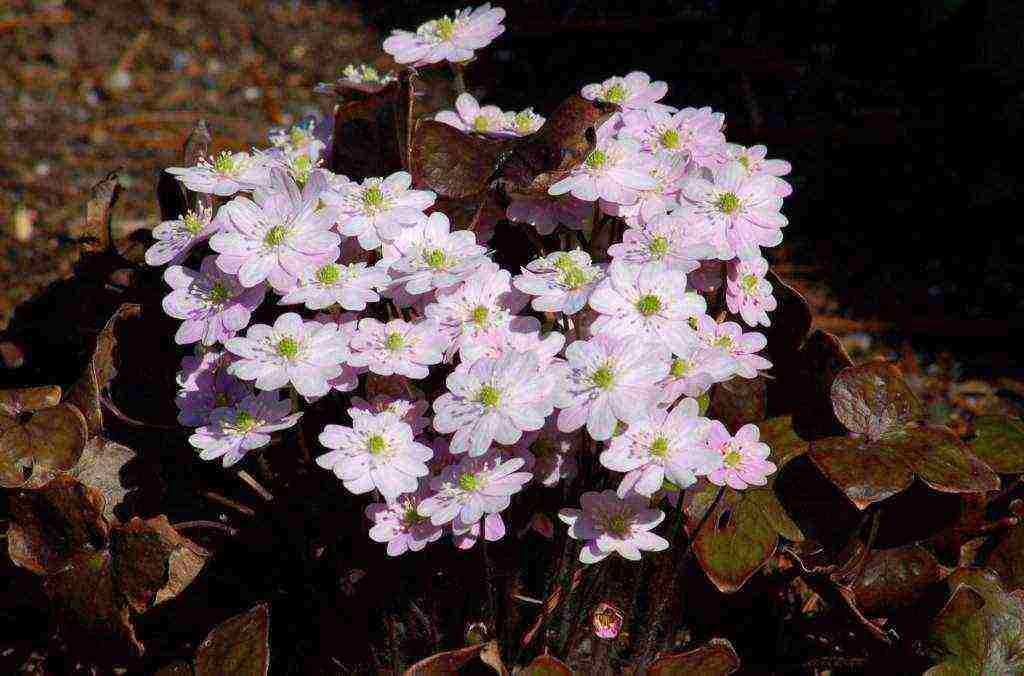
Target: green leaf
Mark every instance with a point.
(1000, 443)
(981, 628)
(239, 646)
(717, 658)
(873, 399)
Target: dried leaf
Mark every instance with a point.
(51, 524)
(895, 578)
(100, 371)
(999, 442)
(546, 665)
(873, 399)
(35, 440)
(717, 658)
(981, 628)
(1007, 558)
(870, 471)
(141, 554)
(100, 467)
(738, 401)
(239, 646)
(452, 163)
(99, 210)
(446, 662)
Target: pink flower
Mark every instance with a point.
(378, 451)
(551, 454)
(491, 526)
(494, 400)
(673, 240)
(213, 305)
(274, 239)
(430, 256)
(175, 238)
(632, 91)
(744, 459)
(736, 351)
(695, 368)
(646, 301)
(470, 117)
(378, 209)
(748, 293)
(562, 281)
(225, 174)
(615, 171)
(233, 432)
(691, 134)
(398, 524)
(210, 387)
(525, 337)
(305, 354)
(606, 620)
(398, 347)
(347, 324)
(753, 159)
(410, 412)
(476, 486)
(743, 208)
(667, 173)
(523, 123)
(663, 445)
(447, 39)
(546, 214)
(349, 285)
(608, 523)
(611, 379)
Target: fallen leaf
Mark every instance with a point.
(37, 436)
(100, 467)
(716, 658)
(239, 646)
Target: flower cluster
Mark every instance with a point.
(602, 349)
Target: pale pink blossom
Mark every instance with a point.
(673, 240)
(552, 454)
(211, 303)
(633, 91)
(695, 368)
(691, 134)
(754, 161)
(349, 285)
(667, 174)
(347, 323)
(410, 412)
(399, 525)
(523, 123)
(470, 117)
(247, 425)
(175, 238)
(209, 387)
(615, 171)
(748, 293)
(452, 38)
(430, 256)
(397, 347)
(561, 281)
(609, 524)
(476, 486)
(736, 350)
(224, 174)
(743, 459)
(378, 209)
(491, 526)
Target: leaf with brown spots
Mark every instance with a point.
(872, 399)
(452, 163)
(51, 524)
(716, 658)
(37, 436)
(240, 646)
(999, 442)
(895, 578)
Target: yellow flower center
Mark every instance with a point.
(445, 28)
(373, 197)
(617, 525)
(329, 274)
(615, 94)
(659, 447)
(648, 305)
(749, 283)
(394, 341)
(679, 368)
(658, 246)
(245, 421)
(219, 294)
(192, 223)
(489, 396)
(288, 348)
(481, 123)
(732, 458)
(597, 159)
(301, 167)
(376, 444)
(574, 277)
(275, 236)
(723, 342)
(604, 377)
(727, 203)
(469, 482)
(435, 258)
(479, 315)
(224, 163)
(670, 139)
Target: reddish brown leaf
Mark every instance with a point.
(717, 658)
(865, 475)
(1007, 558)
(366, 135)
(239, 646)
(895, 578)
(446, 662)
(738, 401)
(37, 436)
(452, 163)
(819, 361)
(141, 555)
(546, 665)
(49, 525)
(999, 442)
(873, 399)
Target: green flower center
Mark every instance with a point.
(394, 341)
(489, 396)
(727, 203)
(658, 246)
(435, 258)
(615, 94)
(299, 137)
(564, 262)
(670, 139)
(288, 348)
(329, 274)
(445, 28)
(246, 421)
(597, 159)
(524, 120)
(648, 305)
(679, 368)
(481, 123)
(692, 321)
(469, 482)
(219, 294)
(301, 167)
(618, 525)
(745, 161)
(275, 236)
(373, 197)
(192, 223)
(479, 315)
(659, 447)
(224, 163)
(723, 341)
(749, 283)
(574, 277)
(412, 517)
(604, 377)
(376, 444)
(732, 458)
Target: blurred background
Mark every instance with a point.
(900, 120)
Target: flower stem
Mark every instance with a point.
(255, 485)
(460, 83)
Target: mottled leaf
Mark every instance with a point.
(895, 578)
(238, 646)
(999, 442)
(452, 163)
(873, 399)
(546, 665)
(101, 467)
(558, 147)
(445, 662)
(49, 525)
(717, 658)
(981, 628)
(1007, 558)
(36, 441)
(738, 401)
(100, 371)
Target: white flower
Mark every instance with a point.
(350, 285)
(399, 524)
(562, 281)
(235, 430)
(452, 38)
(430, 256)
(476, 486)
(469, 116)
(736, 351)
(175, 238)
(615, 171)
(378, 451)
(225, 174)
(679, 243)
(632, 91)
(610, 524)
(378, 208)
(397, 347)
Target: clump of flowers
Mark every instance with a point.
(582, 369)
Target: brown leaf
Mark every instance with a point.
(895, 578)
(100, 468)
(51, 524)
(545, 665)
(445, 662)
(367, 133)
(452, 163)
(35, 440)
(791, 322)
(999, 442)
(738, 401)
(100, 371)
(873, 399)
(99, 210)
(1007, 558)
(238, 646)
(717, 658)
(558, 147)
(141, 554)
